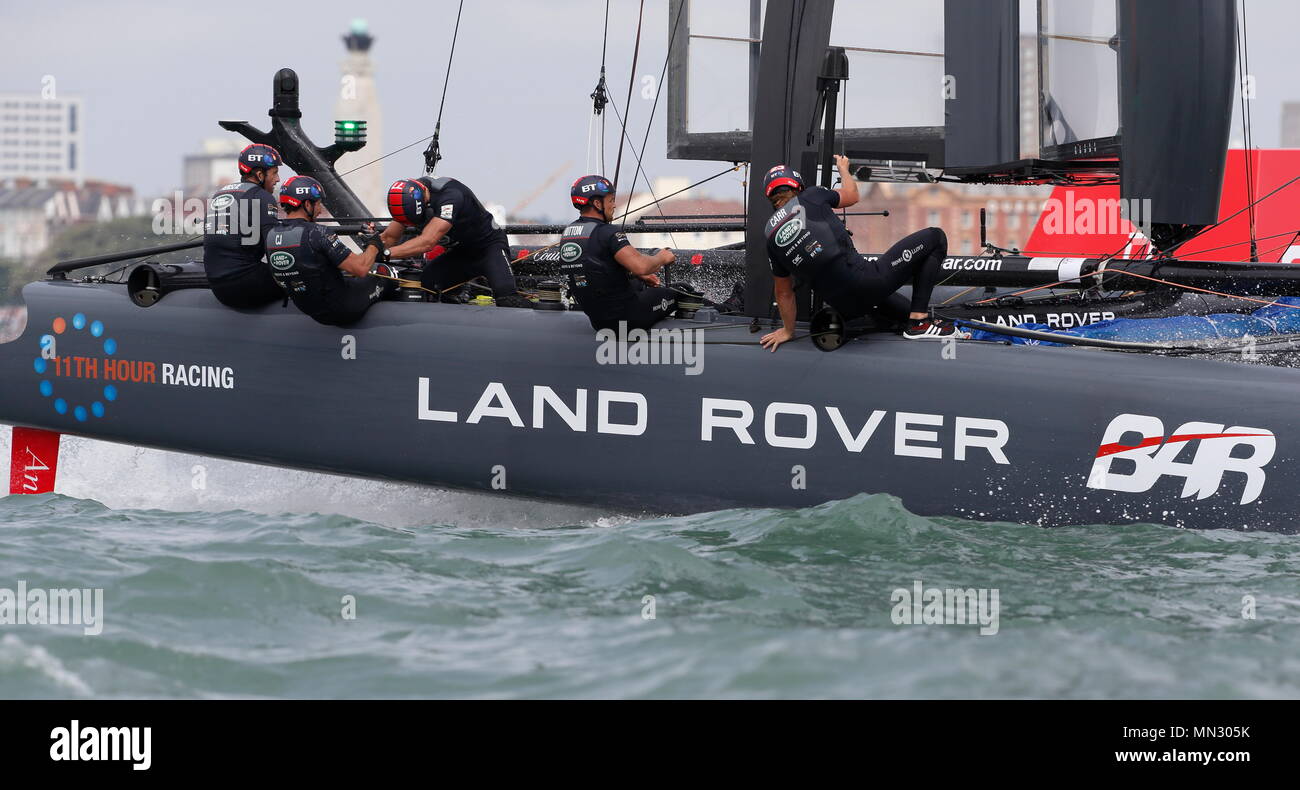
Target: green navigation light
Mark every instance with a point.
(350, 131)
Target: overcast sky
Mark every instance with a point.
(156, 76)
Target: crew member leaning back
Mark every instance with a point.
(805, 240)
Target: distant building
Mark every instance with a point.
(682, 206)
(214, 166)
(32, 213)
(41, 138)
(1011, 214)
(359, 101)
(24, 226)
(1290, 124)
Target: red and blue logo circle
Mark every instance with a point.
(85, 407)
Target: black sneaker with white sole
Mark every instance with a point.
(934, 329)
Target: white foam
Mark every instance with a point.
(127, 477)
(16, 653)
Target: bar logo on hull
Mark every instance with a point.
(1218, 450)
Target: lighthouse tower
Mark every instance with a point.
(358, 101)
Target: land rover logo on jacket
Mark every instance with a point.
(570, 252)
(789, 231)
(222, 201)
(282, 261)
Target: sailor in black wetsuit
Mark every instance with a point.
(239, 218)
(447, 213)
(308, 261)
(807, 240)
(597, 259)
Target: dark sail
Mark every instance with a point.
(1176, 84)
(982, 59)
(795, 36)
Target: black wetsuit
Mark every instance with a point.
(601, 285)
(807, 240)
(304, 259)
(240, 216)
(476, 246)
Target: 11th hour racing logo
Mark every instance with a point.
(80, 369)
(1214, 450)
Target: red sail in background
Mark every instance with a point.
(1277, 218)
(33, 461)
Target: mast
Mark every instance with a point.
(796, 34)
(299, 152)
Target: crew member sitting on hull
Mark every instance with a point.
(597, 259)
(308, 261)
(447, 213)
(239, 218)
(807, 240)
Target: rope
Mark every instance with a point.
(433, 154)
(1239, 243)
(640, 170)
(598, 101)
(1243, 68)
(1265, 302)
(385, 156)
(631, 80)
(680, 191)
(1248, 206)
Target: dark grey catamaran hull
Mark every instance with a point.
(1028, 434)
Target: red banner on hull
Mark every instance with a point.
(34, 461)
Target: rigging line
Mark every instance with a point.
(599, 98)
(1238, 243)
(653, 108)
(1284, 245)
(1250, 130)
(876, 50)
(433, 154)
(1181, 255)
(631, 81)
(1194, 288)
(680, 191)
(455, 33)
(1242, 71)
(1103, 259)
(658, 89)
(1265, 302)
(1239, 211)
(959, 295)
(640, 169)
(604, 42)
(385, 156)
(591, 125)
(632, 211)
(744, 192)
